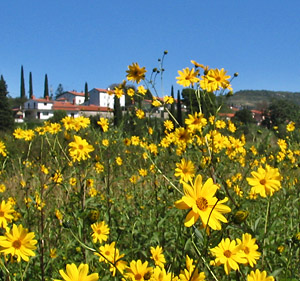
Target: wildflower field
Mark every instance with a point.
(191, 201)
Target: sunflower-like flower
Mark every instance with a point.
(108, 253)
(158, 256)
(135, 73)
(201, 201)
(185, 170)
(265, 181)
(103, 122)
(219, 78)
(229, 254)
(6, 212)
(138, 271)
(187, 77)
(3, 149)
(190, 272)
(249, 247)
(18, 242)
(74, 273)
(259, 276)
(100, 231)
(80, 149)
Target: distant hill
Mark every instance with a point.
(260, 99)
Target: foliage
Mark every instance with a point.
(22, 89)
(218, 202)
(58, 115)
(6, 114)
(244, 115)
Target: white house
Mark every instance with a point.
(104, 98)
(43, 109)
(72, 97)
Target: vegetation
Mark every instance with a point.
(146, 200)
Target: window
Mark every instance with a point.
(45, 103)
(46, 113)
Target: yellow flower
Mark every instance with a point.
(218, 78)
(259, 276)
(53, 128)
(81, 122)
(80, 149)
(77, 274)
(2, 189)
(119, 160)
(44, 170)
(229, 254)
(18, 242)
(57, 177)
(158, 256)
(93, 192)
(140, 114)
(196, 121)
(68, 122)
(290, 127)
(135, 73)
(190, 273)
(99, 168)
(168, 99)
(72, 181)
(156, 102)
(169, 125)
(138, 271)
(185, 170)
(110, 254)
(53, 253)
(105, 142)
(103, 122)
(143, 172)
(141, 90)
(134, 178)
(130, 92)
(249, 247)
(202, 203)
(119, 92)
(265, 181)
(3, 149)
(100, 231)
(187, 77)
(6, 211)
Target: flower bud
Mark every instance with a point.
(236, 74)
(240, 216)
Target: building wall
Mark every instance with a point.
(33, 104)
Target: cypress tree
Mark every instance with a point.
(117, 111)
(46, 89)
(22, 90)
(30, 86)
(86, 92)
(6, 114)
(172, 109)
(179, 112)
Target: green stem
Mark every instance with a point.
(266, 230)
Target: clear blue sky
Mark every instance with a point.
(78, 41)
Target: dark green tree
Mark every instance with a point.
(207, 102)
(46, 88)
(86, 92)
(59, 90)
(172, 108)
(283, 111)
(244, 115)
(58, 115)
(22, 89)
(117, 111)
(6, 114)
(30, 86)
(179, 109)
